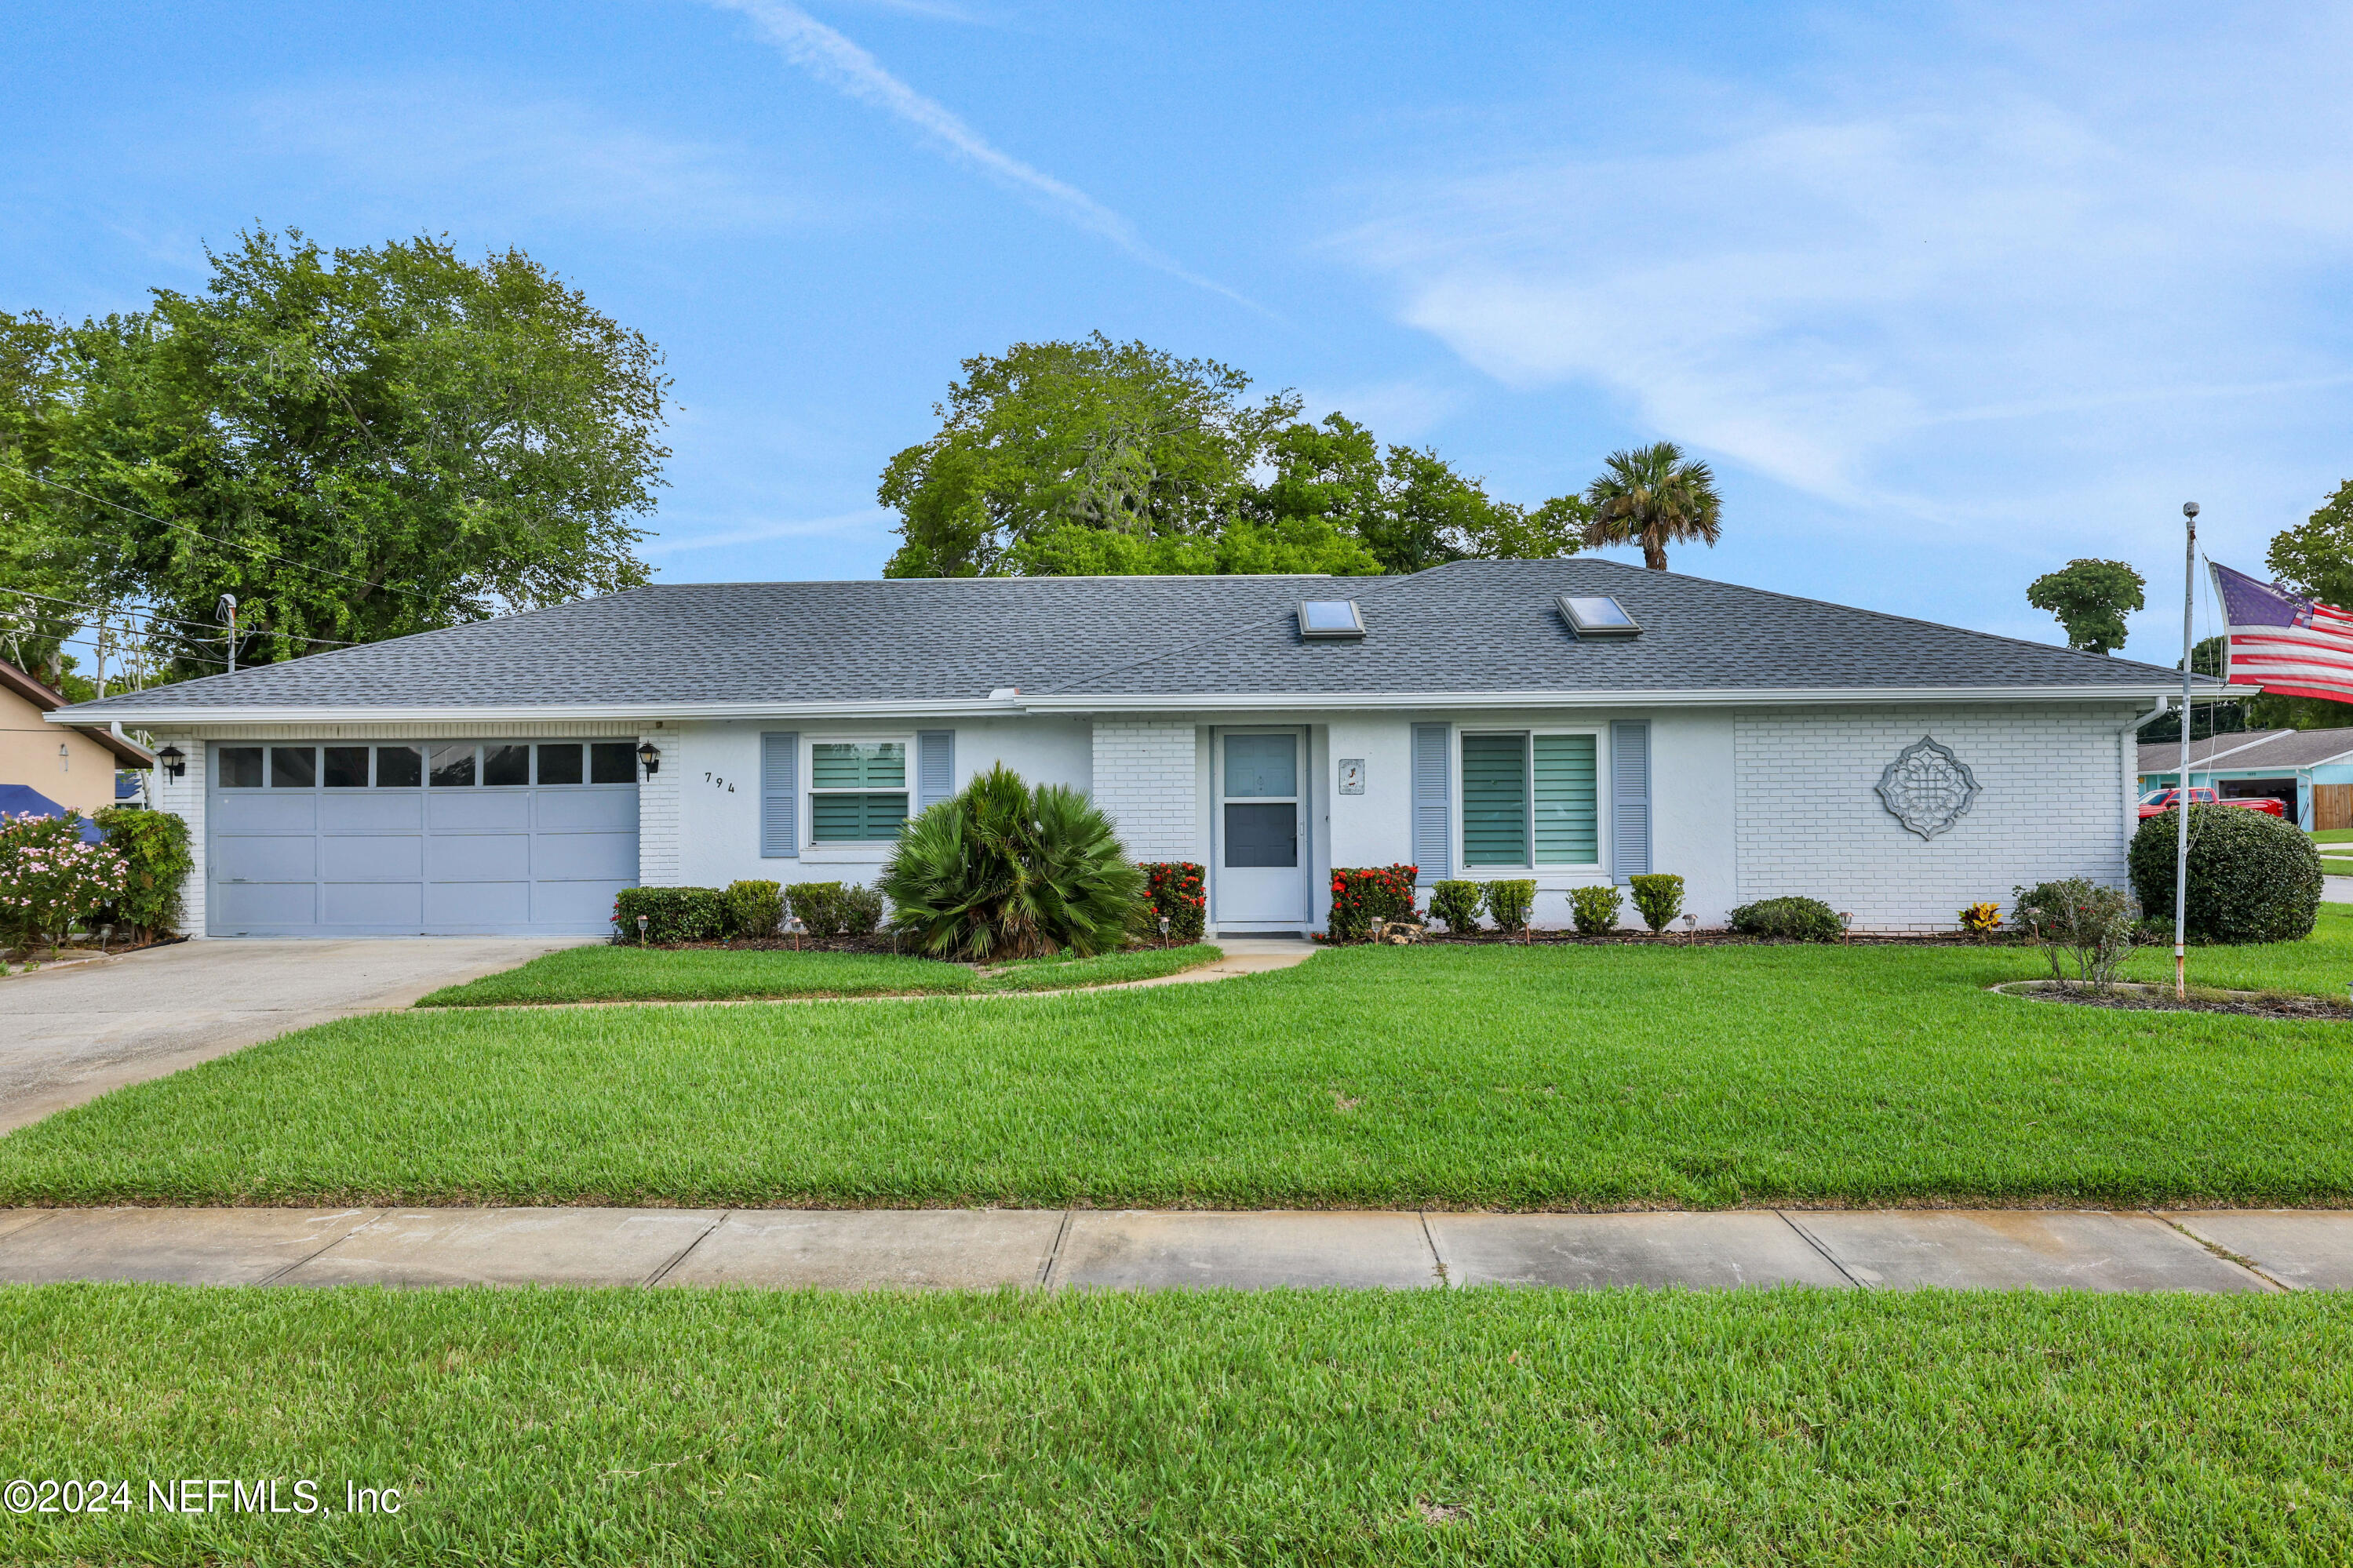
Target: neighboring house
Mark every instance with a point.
(72, 765)
(2310, 772)
(486, 777)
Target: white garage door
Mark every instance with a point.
(440, 837)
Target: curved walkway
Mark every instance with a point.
(2211, 1252)
(1243, 955)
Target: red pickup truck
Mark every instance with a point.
(2157, 802)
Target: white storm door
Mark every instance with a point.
(1261, 873)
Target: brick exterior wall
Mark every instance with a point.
(658, 862)
(2052, 803)
(1146, 779)
(185, 798)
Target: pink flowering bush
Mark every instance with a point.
(49, 879)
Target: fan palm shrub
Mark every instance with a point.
(1005, 871)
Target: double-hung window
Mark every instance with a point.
(1531, 798)
(858, 791)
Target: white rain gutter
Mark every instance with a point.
(176, 716)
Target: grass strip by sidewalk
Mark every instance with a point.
(690, 1427)
(1483, 1076)
(611, 974)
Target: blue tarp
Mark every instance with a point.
(21, 800)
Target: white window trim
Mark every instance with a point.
(1527, 735)
(849, 850)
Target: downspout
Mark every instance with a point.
(2128, 755)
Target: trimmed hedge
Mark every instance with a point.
(1456, 903)
(1791, 919)
(2253, 876)
(155, 846)
(1593, 909)
(1177, 892)
(1365, 896)
(834, 909)
(672, 914)
(1509, 903)
(754, 909)
(1659, 896)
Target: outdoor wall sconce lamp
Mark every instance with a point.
(649, 758)
(174, 761)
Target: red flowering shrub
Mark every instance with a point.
(1178, 894)
(1365, 896)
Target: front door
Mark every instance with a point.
(1261, 872)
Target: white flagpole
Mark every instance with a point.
(2181, 779)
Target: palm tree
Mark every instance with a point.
(1654, 496)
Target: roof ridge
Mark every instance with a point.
(1384, 582)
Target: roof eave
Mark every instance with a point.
(1718, 697)
(182, 716)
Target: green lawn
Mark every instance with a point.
(1489, 1076)
(1492, 1426)
(607, 974)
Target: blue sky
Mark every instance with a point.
(1948, 294)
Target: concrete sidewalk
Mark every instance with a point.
(2213, 1251)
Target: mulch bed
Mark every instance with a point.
(879, 942)
(2132, 997)
(1702, 939)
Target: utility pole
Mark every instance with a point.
(226, 611)
(2181, 779)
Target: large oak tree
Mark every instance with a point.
(357, 444)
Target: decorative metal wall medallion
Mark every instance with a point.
(1927, 788)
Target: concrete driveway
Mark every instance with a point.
(69, 1035)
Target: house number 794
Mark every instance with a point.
(715, 782)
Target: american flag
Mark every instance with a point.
(2284, 642)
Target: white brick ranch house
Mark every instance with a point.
(1573, 721)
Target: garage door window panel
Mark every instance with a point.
(346, 767)
(559, 765)
(293, 767)
(453, 767)
(399, 767)
(858, 791)
(506, 765)
(613, 762)
(240, 767)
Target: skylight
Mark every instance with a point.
(1598, 616)
(1330, 619)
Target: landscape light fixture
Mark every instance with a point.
(1691, 926)
(649, 758)
(1846, 921)
(174, 761)
(1164, 930)
(641, 930)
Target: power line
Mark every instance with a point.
(159, 619)
(226, 543)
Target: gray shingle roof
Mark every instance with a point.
(2282, 750)
(1468, 627)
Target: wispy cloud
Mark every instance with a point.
(463, 143)
(842, 65)
(868, 519)
(2044, 271)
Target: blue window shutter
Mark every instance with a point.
(1432, 858)
(1629, 799)
(934, 767)
(780, 755)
